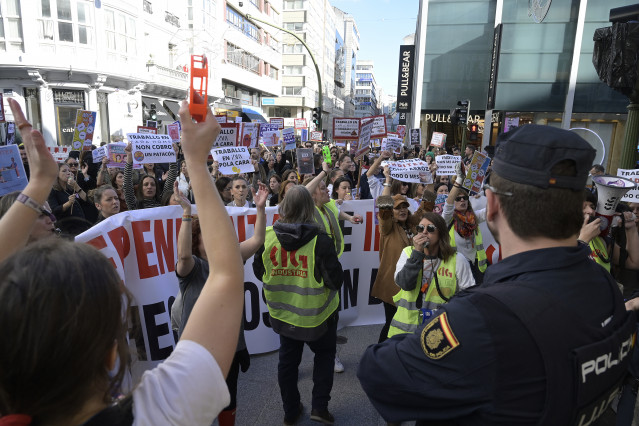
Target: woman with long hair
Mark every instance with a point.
(239, 192)
(150, 169)
(65, 195)
(223, 185)
(147, 194)
(342, 189)
(184, 182)
(424, 272)
(117, 182)
(274, 185)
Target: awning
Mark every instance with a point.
(162, 115)
(173, 107)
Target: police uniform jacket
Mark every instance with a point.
(477, 362)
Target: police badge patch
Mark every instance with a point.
(438, 338)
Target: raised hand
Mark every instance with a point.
(259, 197)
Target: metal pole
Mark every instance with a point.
(319, 77)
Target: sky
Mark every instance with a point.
(382, 25)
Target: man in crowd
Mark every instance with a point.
(525, 348)
(469, 152)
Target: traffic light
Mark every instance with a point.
(462, 115)
(153, 113)
(474, 130)
(316, 116)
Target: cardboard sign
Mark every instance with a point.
(376, 143)
(305, 161)
(316, 136)
(392, 144)
(59, 153)
(411, 170)
(438, 139)
(99, 153)
(147, 130)
(228, 135)
(11, 133)
(270, 135)
(304, 135)
(250, 134)
(278, 121)
(1, 109)
(151, 148)
(83, 133)
(221, 118)
(117, 155)
(476, 172)
(446, 164)
(631, 196)
(173, 130)
(346, 129)
(401, 131)
(364, 141)
(415, 136)
(379, 126)
(300, 123)
(289, 139)
(233, 160)
(12, 174)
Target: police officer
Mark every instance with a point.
(546, 340)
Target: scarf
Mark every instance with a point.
(465, 223)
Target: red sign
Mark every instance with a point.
(316, 136)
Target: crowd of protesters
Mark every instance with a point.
(425, 228)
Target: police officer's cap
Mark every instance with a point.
(528, 153)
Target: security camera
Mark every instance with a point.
(241, 3)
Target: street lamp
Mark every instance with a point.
(319, 77)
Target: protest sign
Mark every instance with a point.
(278, 121)
(304, 135)
(401, 131)
(392, 144)
(173, 130)
(12, 174)
(476, 172)
(117, 155)
(415, 136)
(289, 139)
(1, 109)
(228, 135)
(233, 160)
(631, 196)
(299, 123)
(221, 118)
(59, 153)
(364, 141)
(346, 129)
(410, 170)
(438, 139)
(83, 133)
(376, 143)
(238, 119)
(11, 133)
(305, 161)
(379, 126)
(250, 134)
(446, 164)
(316, 136)
(147, 130)
(151, 148)
(99, 153)
(270, 135)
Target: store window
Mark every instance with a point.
(120, 32)
(66, 104)
(68, 21)
(292, 90)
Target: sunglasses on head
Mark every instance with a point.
(430, 228)
(461, 198)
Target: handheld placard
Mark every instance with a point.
(326, 151)
(199, 85)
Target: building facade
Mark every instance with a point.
(366, 90)
(350, 34)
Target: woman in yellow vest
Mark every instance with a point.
(465, 234)
(302, 276)
(429, 273)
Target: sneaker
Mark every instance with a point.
(293, 421)
(339, 367)
(322, 416)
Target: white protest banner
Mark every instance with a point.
(250, 134)
(438, 139)
(12, 174)
(233, 160)
(346, 128)
(238, 119)
(278, 121)
(316, 136)
(476, 172)
(631, 196)
(99, 153)
(410, 170)
(379, 126)
(305, 161)
(228, 135)
(83, 133)
(270, 135)
(364, 141)
(299, 123)
(392, 144)
(173, 130)
(1, 109)
(415, 136)
(446, 164)
(288, 135)
(59, 153)
(147, 130)
(221, 118)
(151, 148)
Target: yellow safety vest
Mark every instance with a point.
(482, 260)
(599, 252)
(329, 221)
(406, 319)
(292, 294)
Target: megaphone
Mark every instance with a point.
(610, 190)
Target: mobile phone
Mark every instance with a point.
(199, 84)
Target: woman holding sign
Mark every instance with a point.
(464, 226)
(147, 194)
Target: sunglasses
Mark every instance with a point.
(461, 198)
(430, 228)
(47, 213)
(72, 164)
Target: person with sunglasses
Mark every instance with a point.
(465, 234)
(429, 273)
(43, 227)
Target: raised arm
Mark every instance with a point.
(387, 182)
(384, 155)
(312, 185)
(103, 172)
(185, 261)
(174, 171)
(222, 298)
(129, 195)
(249, 247)
(17, 222)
